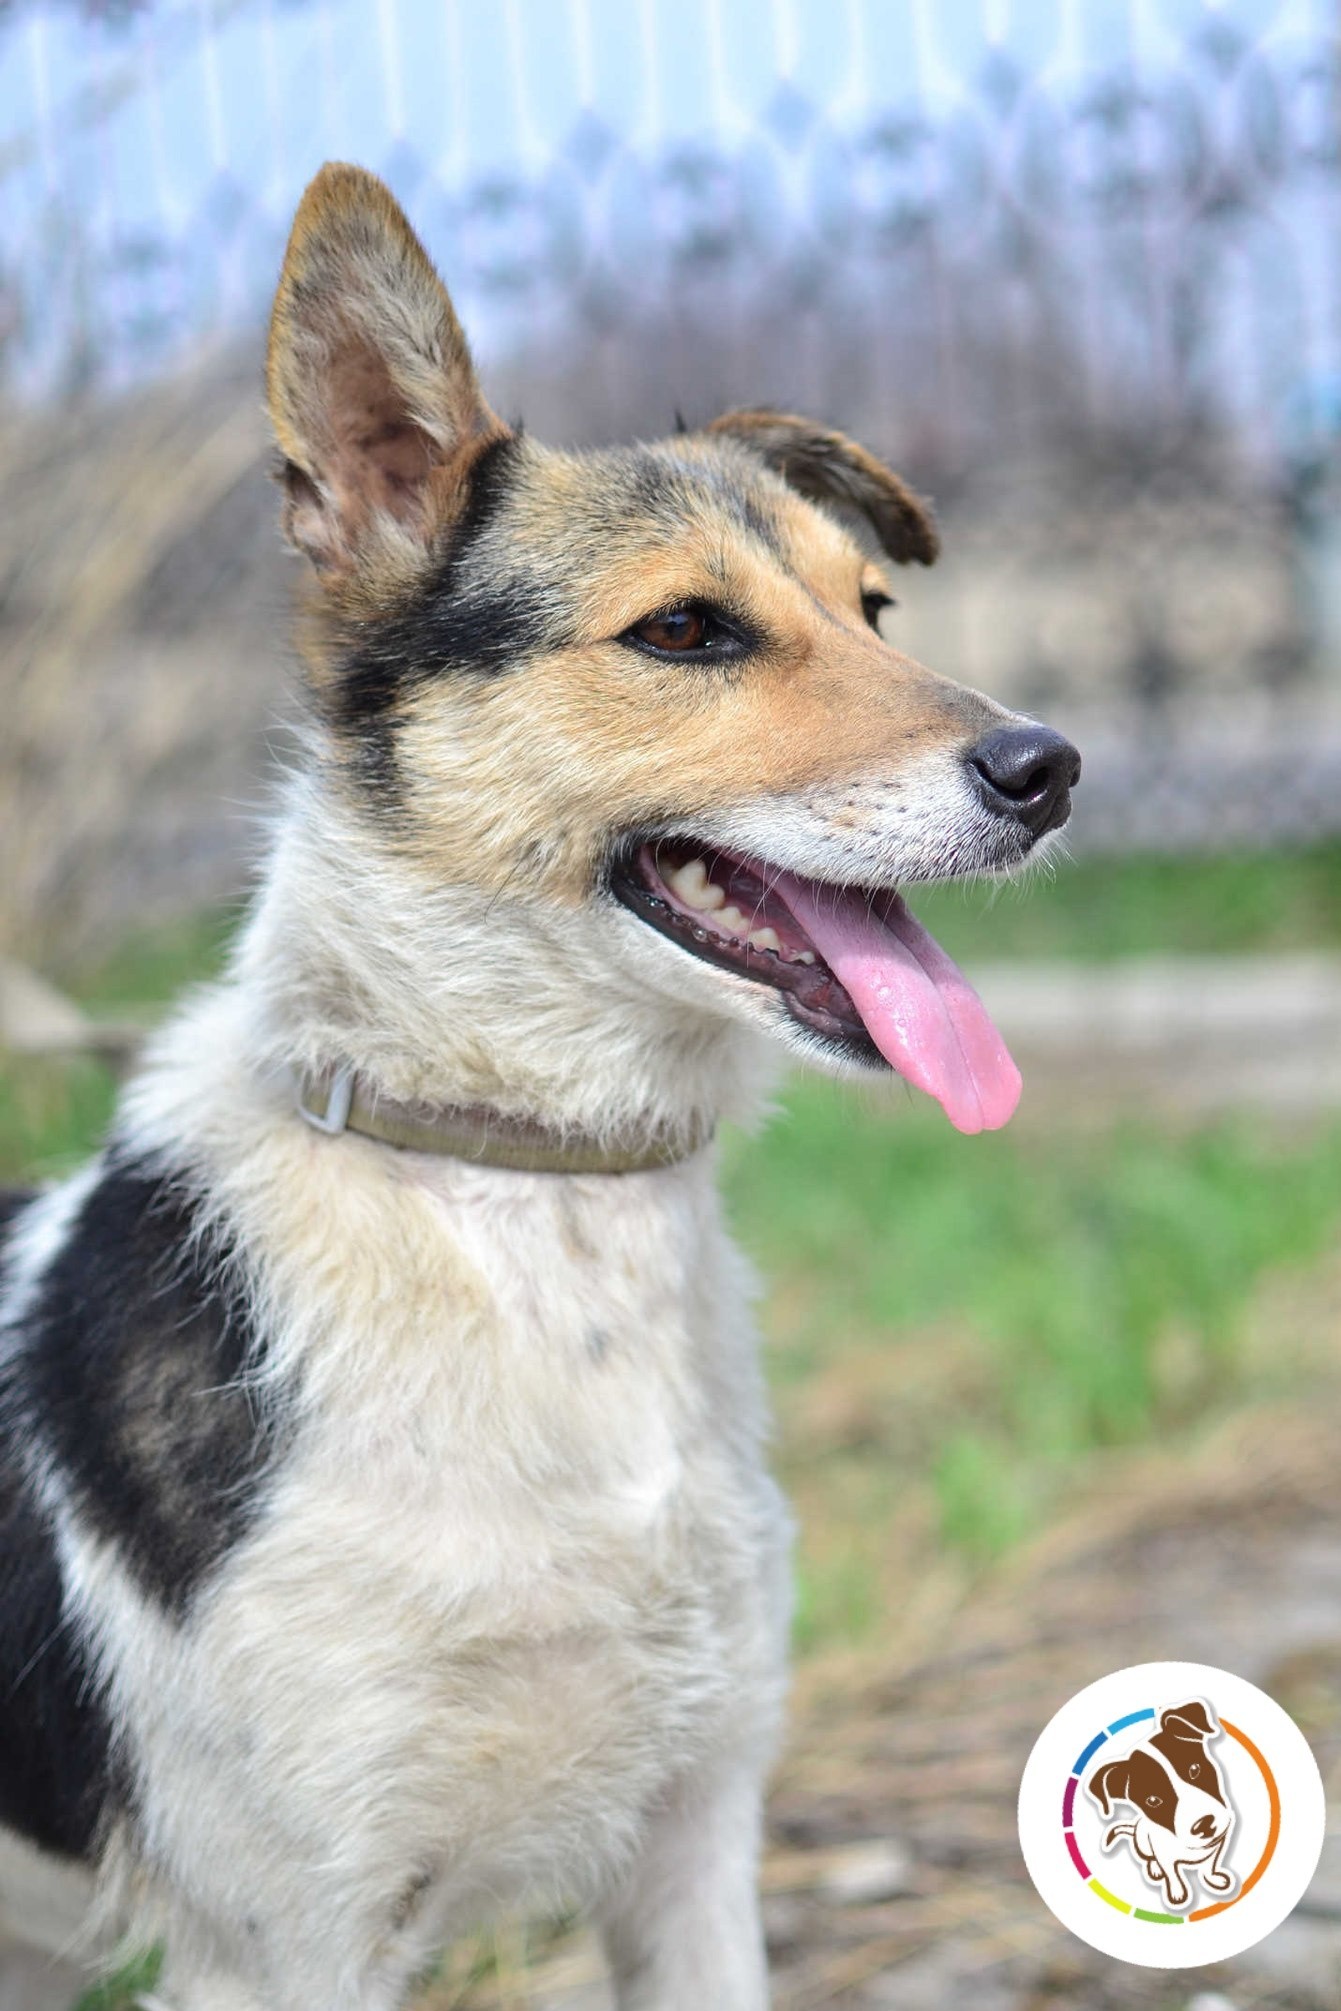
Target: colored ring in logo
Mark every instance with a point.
(1101, 1891)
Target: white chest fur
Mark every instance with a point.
(521, 1569)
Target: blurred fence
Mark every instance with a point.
(1076, 268)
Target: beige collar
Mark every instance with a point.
(336, 1102)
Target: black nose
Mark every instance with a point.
(1026, 772)
(1204, 1826)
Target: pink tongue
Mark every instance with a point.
(919, 1008)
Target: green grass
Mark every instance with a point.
(1064, 1254)
(1097, 909)
(53, 1112)
(1001, 1306)
(151, 968)
(122, 1987)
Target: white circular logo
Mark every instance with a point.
(1172, 1814)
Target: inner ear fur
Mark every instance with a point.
(827, 467)
(372, 391)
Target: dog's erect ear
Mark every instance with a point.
(1111, 1784)
(829, 468)
(372, 392)
(1188, 1721)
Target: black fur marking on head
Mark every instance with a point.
(483, 613)
(128, 1375)
(453, 625)
(55, 1768)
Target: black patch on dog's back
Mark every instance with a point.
(128, 1375)
(54, 1736)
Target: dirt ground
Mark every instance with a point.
(893, 1876)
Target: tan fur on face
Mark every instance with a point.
(537, 770)
(534, 766)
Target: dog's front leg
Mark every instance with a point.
(196, 1991)
(683, 1931)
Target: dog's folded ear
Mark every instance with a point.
(1188, 1721)
(827, 467)
(1112, 1783)
(372, 391)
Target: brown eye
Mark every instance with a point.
(695, 629)
(680, 629)
(871, 604)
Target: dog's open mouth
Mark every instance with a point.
(854, 966)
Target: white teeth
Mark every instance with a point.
(695, 889)
(691, 884)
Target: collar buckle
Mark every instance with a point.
(338, 1090)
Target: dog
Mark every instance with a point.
(1183, 1818)
(385, 1537)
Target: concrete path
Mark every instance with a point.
(1194, 1034)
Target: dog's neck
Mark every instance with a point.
(447, 996)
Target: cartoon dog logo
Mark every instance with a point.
(1183, 1816)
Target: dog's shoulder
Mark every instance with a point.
(125, 1420)
(127, 1367)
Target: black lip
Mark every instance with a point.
(811, 992)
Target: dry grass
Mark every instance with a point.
(139, 666)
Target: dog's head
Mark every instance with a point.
(643, 690)
(1172, 1779)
